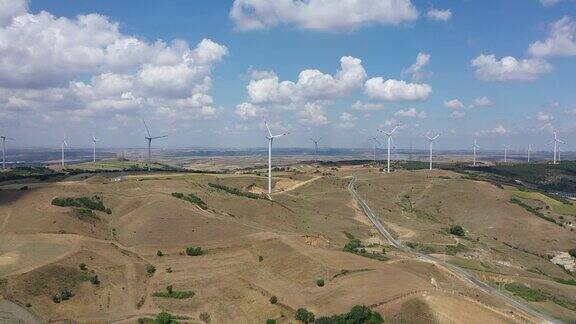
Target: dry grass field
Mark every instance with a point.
(256, 248)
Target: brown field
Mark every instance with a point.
(256, 248)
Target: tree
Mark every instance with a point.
(194, 251)
(150, 269)
(273, 300)
(320, 282)
(305, 316)
(95, 280)
(457, 230)
(170, 289)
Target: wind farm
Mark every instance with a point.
(318, 161)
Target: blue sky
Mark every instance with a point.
(75, 89)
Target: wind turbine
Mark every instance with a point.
(94, 140)
(149, 138)
(4, 138)
(376, 142)
(389, 134)
(316, 141)
(556, 141)
(529, 151)
(431, 140)
(506, 147)
(474, 147)
(271, 138)
(64, 144)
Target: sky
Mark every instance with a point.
(209, 73)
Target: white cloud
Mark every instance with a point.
(454, 104)
(549, 3)
(311, 84)
(417, 70)
(488, 68)
(313, 114)
(543, 117)
(411, 113)
(482, 102)
(324, 15)
(560, 42)
(254, 74)
(367, 106)
(347, 121)
(458, 114)
(439, 15)
(43, 57)
(247, 110)
(394, 90)
(500, 130)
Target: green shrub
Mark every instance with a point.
(159, 253)
(150, 269)
(65, 294)
(205, 317)
(270, 321)
(83, 266)
(194, 251)
(165, 318)
(235, 191)
(572, 252)
(84, 213)
(273, 300)
(92, 203)
(457, 230)
(353, 245)
(304, 315)
(359, 314)
(95, 280)
(320, 282)
(191, 198)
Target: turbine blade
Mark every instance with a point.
(394, 129)
(159, 136)
(268, 128)
(435, 137)
(147, 130)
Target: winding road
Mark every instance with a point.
(463, 274)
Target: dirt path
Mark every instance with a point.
(298, 185)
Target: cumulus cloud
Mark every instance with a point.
(247, 110)
(313, 114)
(561, 40)
(498, 130)
(410, 113)
(439, 15)
(543, 117)
(395, 90)
(46, 60)
(482, 102)
(458, 114)
(454, 104)
(417, 70)
(488, 68)
(323, 15)
(311, 84)
(367, 106)
(347, 121)
(549, 3)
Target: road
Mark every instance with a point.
(463, 274)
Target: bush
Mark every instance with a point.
(235, 191)
(457, 230)
(150, 269)
(320, 282)
(205, 317)
(65, 294)
(260, 258)
(191, 198)
(159, 253)
(84, 213)
(92, 203)
(353, 245)
(83, 266)
(358, 314)
(270, 321)
(194, 251)
(170, 289)
(165, 318)
(304, 315)
(94, 280)
(273, 300)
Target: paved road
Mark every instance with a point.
(465, 275)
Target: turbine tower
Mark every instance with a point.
(389, 134)
(556, 141)
(316, 141)
(64, 144)
(376, 142)
(4, 138)
(431, 140)
(149, 138)
(506, 147)
(271, 138)
(529, 151)
(474, 147)
(94, 140)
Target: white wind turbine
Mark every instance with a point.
(376, 142)
(474, 147)
(64, 144)
(316, 141)
(389, 135)
(149, 138)
(431, 140)
(556, 141)
(529, 151)
(271, 138)
(4, 138)
(506, 147)
(94, 140)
